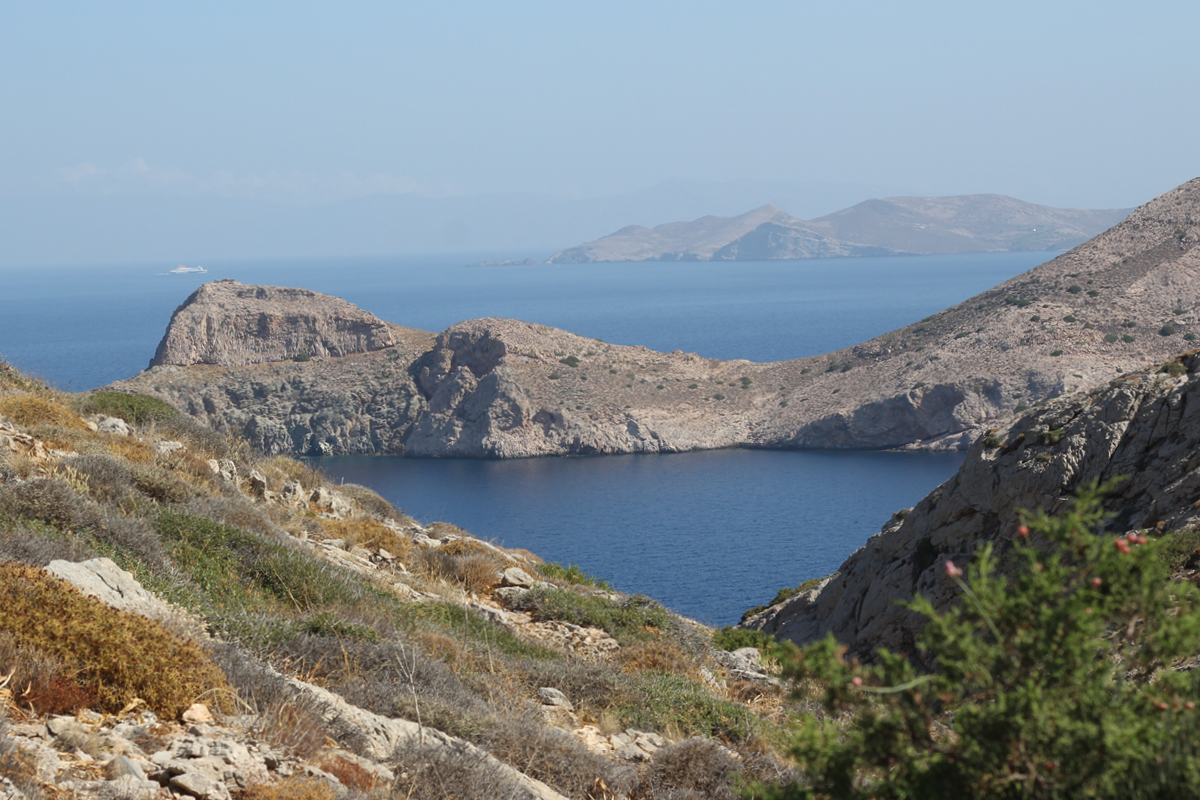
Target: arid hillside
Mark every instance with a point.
(181, 617)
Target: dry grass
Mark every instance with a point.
(655, 655)
(297, 787)
(369, 533)
(28, 410)
(118, 655)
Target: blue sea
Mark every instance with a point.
(708, 534)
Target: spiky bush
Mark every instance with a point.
(138, 409)
(119, 656)
(1051, 683)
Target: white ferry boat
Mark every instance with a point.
(182, 270)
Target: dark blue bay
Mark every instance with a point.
(708, 534)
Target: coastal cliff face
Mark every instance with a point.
(1144, 427)
(225, 323)
(496, 388)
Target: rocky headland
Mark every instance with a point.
(493, 388)
(892, 226)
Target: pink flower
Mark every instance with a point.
(1162, 706)
(1097, 582)
(1189, 705)
(857, 681)
(952, 570)
(1022, 531)
(1122, 545)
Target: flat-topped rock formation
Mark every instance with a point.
(893, 226)
(1144, 426)
(504, 388)
(225, 323)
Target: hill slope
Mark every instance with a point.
(337, 647)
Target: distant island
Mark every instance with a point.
(892, 226)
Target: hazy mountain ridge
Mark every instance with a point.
(891, 226)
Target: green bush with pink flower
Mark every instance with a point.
(1068, 675)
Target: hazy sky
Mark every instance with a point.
(1090, 104)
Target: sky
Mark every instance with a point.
(304, 104)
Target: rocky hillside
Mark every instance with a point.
(227, 323)
(896, 225)
(504, 388)
(1143, 427)
(182, 618)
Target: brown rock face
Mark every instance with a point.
(1144, 426)
(227, 324)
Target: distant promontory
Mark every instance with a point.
(893, 226)
(298, 372)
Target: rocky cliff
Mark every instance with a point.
(504, 388)
(226, 323)
(1144, 427)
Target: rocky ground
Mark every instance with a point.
(1143, 427)
(504, 388)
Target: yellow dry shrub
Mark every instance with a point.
(129, 448)
(297, 787)
(369, 533)
(119, 655)
(28, 410)
(656, 655)
(472, 547)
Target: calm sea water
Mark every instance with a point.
(709, 534)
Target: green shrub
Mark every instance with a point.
(302, 357)
(1019, 302)
(718, 396)
(1093, 293)
(730, 638)
(1127, 339)
(137, 409)
(1035, 318)
(746, 382)
(632, 619)
(1111, 337)
(1173, 368)
(1051, 683)
(573, 574)
(1052, 437)
(1021, 407)
(1056, 353)
(1189, 337)
(1070, 318)
(1075, 288)
(570, 361)
(554, 376)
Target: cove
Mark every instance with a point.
(708, 534)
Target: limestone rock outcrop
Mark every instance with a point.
(225, 323)
(1144, 427)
